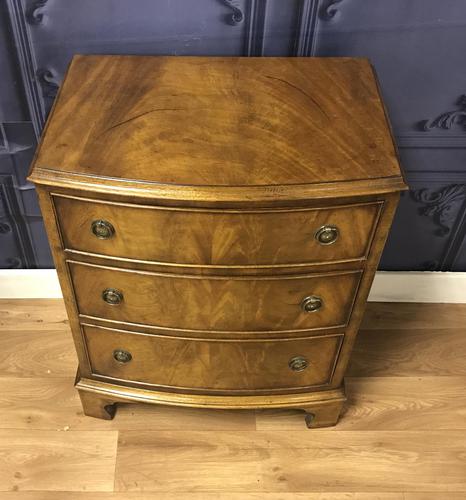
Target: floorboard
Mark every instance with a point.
(291, 461)
(409, 353)
(402, 435)
(50, 460)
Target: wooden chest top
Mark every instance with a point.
(205, 128)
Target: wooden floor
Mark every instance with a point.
(403, 435)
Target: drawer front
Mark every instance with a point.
(215, 303)
(211, 364)
(216, 238)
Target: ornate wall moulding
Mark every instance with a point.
(329, 10)
(449, 118)
(237, 15)
(35, 13)
(49, 82)
(442, 205)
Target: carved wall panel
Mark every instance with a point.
(416, 47)
(12, 106)
(57, 30)
(424, 234)
(15, 243)
(22, 237)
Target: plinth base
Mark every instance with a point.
(322, 408)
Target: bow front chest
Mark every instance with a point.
(216, 224)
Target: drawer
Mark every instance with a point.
(211, 364)
(236, 303)
(216, 237)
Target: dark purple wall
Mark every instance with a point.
(417, 46)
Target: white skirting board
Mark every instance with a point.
(388, 286)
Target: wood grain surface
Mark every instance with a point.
(281, 461)
(220, 121)
(212, 364)
(205, 495)
(51, 460)
(402, 436)
(215, 303)
(216, 237)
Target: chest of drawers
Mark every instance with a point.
(216, 224)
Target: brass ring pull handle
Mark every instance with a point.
(112, 296)
(326, 235)
(102, 229)
(298, 363)
(122, 356)
(312, 303)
